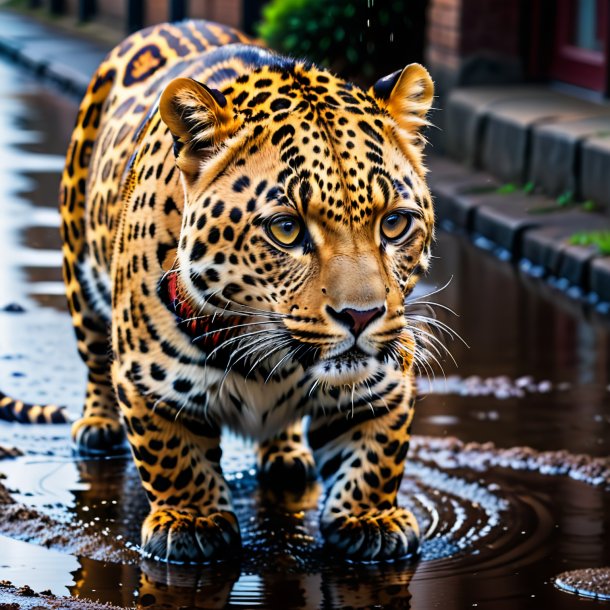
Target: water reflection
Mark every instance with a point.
(34, 128)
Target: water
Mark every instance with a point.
(536, 375)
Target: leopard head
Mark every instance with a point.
(306, 211)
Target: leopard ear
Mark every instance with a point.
(199, 119)
(407, 96)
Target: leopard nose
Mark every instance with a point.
(356, 319)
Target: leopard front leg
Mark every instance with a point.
(361, 459)
(191, 518)
(285, 461)
(99, 430)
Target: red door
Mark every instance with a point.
(580, 54)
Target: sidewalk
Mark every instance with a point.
(67, 59)
(532, 231)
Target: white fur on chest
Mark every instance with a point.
(265, 409)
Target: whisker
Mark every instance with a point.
(436, 291)
(238, 338)
(220, 330)
(433, 341)
(291, 353)
(252, 308)
(441, 326)
(428, 355)
(314, 385)
(432, 305)
(419, 359)
(278, 347)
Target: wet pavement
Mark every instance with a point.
(500, 524)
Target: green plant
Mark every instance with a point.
(529, 187)
(368, 38)
(507, 189)
(565, 199)
(599, 239)
(510, 187)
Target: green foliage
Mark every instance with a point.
(565, 199)
(369, 38)
(510, 187)
(529, 187)
(599, 239)
(507, 189)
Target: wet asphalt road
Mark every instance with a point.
(536, 374)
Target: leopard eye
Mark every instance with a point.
(395, 226)
(285, 229)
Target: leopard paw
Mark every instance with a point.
(376, 535)
(96, 435)
(289, 467)
(180, 536)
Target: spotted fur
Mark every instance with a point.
(190, 143)
(31, 413)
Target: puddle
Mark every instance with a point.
(467, 522)
(40, 568)
(500, 522)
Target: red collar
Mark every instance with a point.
(206, 332)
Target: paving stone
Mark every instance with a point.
(455, 210)
(595, 171)
(548, 250)
(506, 140)
(574, 264)
(502, 218)
(599, 278)
(509, 223)
(556, 152)
(452, 185)
(444, 168)
(466, 113)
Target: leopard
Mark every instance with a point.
(241, 233)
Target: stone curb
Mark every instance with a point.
(529, 230)
(532, 133)
(66, 59)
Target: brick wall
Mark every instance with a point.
(444, 35)
(461, 32)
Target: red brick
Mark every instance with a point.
(444, 37)
(444, 16)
